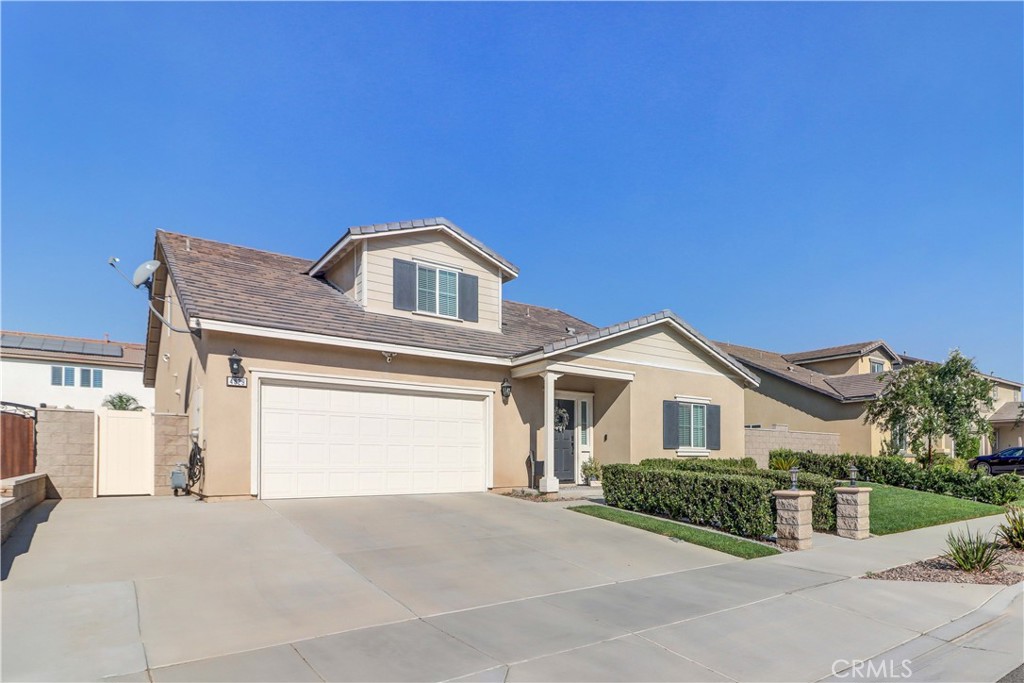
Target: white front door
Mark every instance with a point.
(124, 452)
(318, 441)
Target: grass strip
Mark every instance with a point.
(895, 509)
(709, 539)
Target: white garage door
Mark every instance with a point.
(318, 441)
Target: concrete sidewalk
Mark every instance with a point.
(365, 598)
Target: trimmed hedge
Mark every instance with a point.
(895, 471)
(823, 507)
(736, 503)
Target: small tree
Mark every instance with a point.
(925, 401)
(121, 401)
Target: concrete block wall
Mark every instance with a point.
(760, 442)
(65, 451)
(19, 494)
(171, 446)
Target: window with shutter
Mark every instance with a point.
(448, 293)
(698, 426)
(437, 291)
(69, 377)
(85, 377)
(97, 379)
(56, 375)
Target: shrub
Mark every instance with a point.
(971, 552)
(736, 503)
(951, 464)
(1012, 532)
(591, 469)
(783, 461)
(895, 471)
(823, 507)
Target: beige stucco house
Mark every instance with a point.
(827, 390)
(394, 364)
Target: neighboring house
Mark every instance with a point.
(827, 390)
(43, 369)
(1007, 427)
(394, 364)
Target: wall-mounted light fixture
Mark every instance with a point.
(235, 363)
(506, 388)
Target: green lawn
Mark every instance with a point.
(894, 509)
(709, 539)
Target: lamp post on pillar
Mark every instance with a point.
(549, 482)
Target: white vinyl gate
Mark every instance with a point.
(124, 452)
(318, 441)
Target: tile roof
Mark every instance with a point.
(913, 359)
(50, 347)
(424, 223)
(771, 363)
(858, 348)
(229, 283)
(1008, 412)
(859, 387)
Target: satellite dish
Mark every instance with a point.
(144, 272)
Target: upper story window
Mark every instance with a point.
(64, 376)
(995, 393)
(437, 291)
(877, 365)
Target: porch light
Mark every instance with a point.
(792, 477)
(853, 473)
(506, 388)
(235, 363)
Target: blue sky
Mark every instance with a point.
(781, 175)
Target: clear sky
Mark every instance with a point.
(785, 176)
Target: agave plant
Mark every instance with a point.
(972, 552)
(781, 461)
(121, 401)
(1012, 532)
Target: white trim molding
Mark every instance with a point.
(571, 369)
(692, 399)
(312, 338)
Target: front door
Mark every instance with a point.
(565, 439)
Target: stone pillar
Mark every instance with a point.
(793, 521)
(549, 482)
(852, 512)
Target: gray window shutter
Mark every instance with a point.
(404, 281)
(714, 440)
(670, 424)
(469, 304)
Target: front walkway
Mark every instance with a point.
(367, 597)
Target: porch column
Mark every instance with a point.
(549, 482)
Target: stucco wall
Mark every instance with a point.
(28, 382)
(836, 366)
(761, 442)
(1007, 435)
(65, 451)
(777, 401)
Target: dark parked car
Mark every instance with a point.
(1006, 460)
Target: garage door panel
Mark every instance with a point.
(319, 441)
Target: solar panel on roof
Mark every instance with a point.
(74, 346)
(30, 343)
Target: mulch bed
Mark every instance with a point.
(939, 569)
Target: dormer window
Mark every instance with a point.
(433, 289)
(877, 365)
(437, 291)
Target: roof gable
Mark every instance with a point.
(844, 351)
(440, 224)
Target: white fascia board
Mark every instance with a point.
(540, 355)
(311, 338)
(572, 369)
(340, 246)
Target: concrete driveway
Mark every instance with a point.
(95, 588)
(472, 587)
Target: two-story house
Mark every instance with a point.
(56, 371)
(827, 390)
(393, 363)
